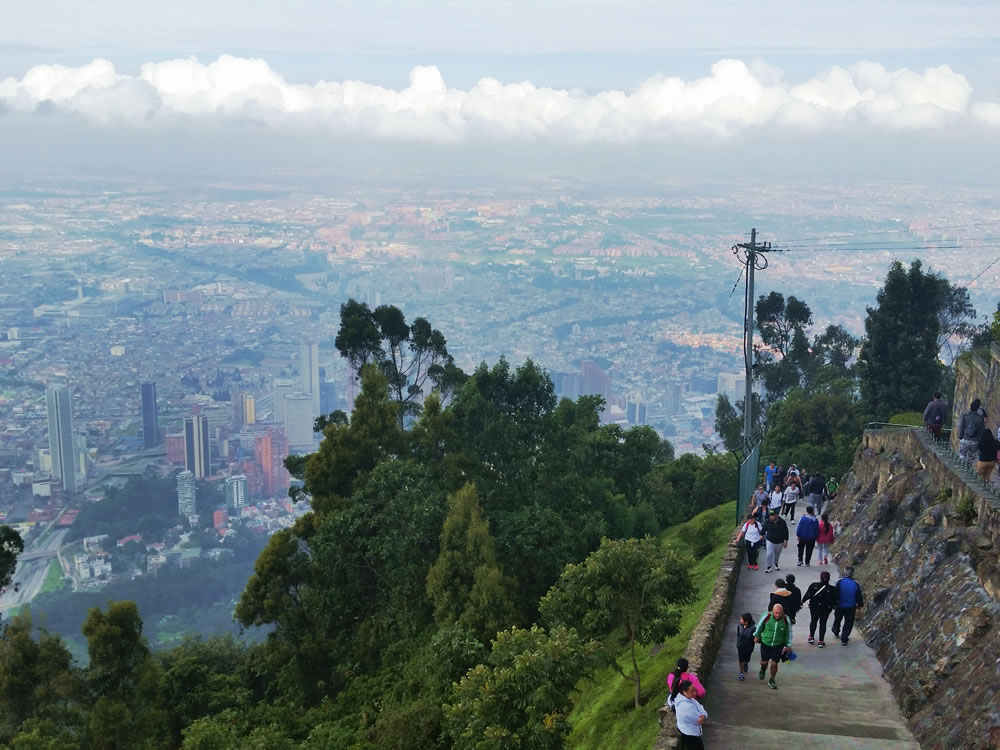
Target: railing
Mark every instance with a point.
(942, 447)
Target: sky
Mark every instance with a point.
(690, 84)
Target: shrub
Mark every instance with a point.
(967, 509)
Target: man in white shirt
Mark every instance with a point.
(777, 499)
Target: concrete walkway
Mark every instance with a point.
(833, 697)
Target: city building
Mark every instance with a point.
(270, 452)
(282, 388)
(327, 398)
(732, 385)
(150, 421)
(299, 422)
(309, 373)
(175, 448)
(186, 494)
(236, 491)
(197, 446)
(244, 410)
(59, 406)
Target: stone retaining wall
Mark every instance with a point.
(975, 378)
(708, 634)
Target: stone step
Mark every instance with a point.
(741, 737)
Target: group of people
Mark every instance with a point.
(977, 443)
(771, 532)
(783, 488)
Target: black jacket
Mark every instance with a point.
(822, 597)
(971, 425)
(795, 600)
(775, 531)
(987, 446)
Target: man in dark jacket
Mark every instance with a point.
(934, 415)
(969, 428)
(817, 492)
(849, 598)
(775, 538)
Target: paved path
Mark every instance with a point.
(829, 698)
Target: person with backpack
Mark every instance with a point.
(987, 449)
(824, 539)
(745, 643)
(935, 413)
(775, 532)
(807, 531)
(969, 428)
(822, 598)
(774, 634)
(849, 598)
(751, 535)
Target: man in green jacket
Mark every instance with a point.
(774, 634)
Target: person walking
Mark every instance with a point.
(781, 595)
(750, 534)
(794, 598)
(777, 498)
(758, 504)
(806, 532)
(824, 539)
(691, 717)
(935, 413)
(769, 471)
(987, 451)
(969, 427)
(849, 598)
(817, 489)
(822, 598)
(774, 634)
(775, 538)
(744, 643)
(789, 498)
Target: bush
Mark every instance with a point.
(703, 540)
(967, 509)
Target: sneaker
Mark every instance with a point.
(821, 644)
(755, 567)
(772, 684)
(767, 570)
(776, 567)
(807, 565)
(811, 640)
(742, 676)
(836, 633)
(762, 673)
(826, 560)
(798, 564)
(843, 642)
(749, 567)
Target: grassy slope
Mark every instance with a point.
(603, 715)
(54, 579)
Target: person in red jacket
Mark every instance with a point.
(824, 540)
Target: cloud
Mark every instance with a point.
(733, 98)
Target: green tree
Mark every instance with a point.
(899, 364)
(465, 583)
(818, 431)
(409, 356)
(629, 585)
(11, 545)
(521, 697)
(729, 420)
(782, 324)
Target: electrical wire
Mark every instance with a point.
(995, 261)
(736, 284)
(880, 243)
(890, 231)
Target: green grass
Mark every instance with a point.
(55, 581)
(911, 418)
(603, 715)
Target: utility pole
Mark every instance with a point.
(752, 256)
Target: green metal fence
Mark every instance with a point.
(749, 477)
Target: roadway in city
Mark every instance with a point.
(31, 570)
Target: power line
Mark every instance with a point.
(832, 236)
(886, 243)
(995, 261)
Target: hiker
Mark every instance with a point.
(691, 715)
(934, 415)
(744, 643)
(969, 427)
(751, 535)
(780, 475)
(795, 600)
(832, 485)
(790, 497)
(824, 539)
(806, 531)
(777, 498)
(822, 598)
(769, 471)
(816, 489)
(781, 595)
(775, 538)
(849, 598)
(987, 451)
(678, 677)
(774, 634)
(758, 504)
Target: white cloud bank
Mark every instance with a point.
(733, 98)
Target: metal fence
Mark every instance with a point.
(749, 476)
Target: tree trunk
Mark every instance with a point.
(635, 666)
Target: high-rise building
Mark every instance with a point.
(186, 493)
(270, 452)
(197, 446)
(352, 390)
(236, 491)
(596, 382)
(150, 421)
(175, 448)
(327, 398)
(309, 373)
(61, 446)
(281, 389)
(244, 410)
(299, 422)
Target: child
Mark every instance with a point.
(744, 643)
(794, 600)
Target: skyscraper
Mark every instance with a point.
(270, 452)
(309, 373)
(281, 389)
(197, 448)
(150, 422)
(61, 446)
(236, 491)
(186, 494)
(327, 397)
(299, 422)
(244, 410)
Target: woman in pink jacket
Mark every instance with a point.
(675, 678)
(825, 539)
